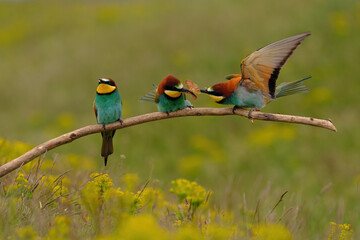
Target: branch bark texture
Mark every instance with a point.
(132, 121)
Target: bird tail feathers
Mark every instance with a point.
(150, 96)
(290, 88)
(107, 147)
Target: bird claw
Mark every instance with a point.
(191, 106)
(103, 125)
(121, 121)
(250, 112)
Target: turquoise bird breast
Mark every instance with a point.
(167, 104)
(108, 107)
(244, 98)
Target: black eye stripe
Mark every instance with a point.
(110, 83)
(172, 88)
(215, 93)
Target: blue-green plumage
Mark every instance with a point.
(108, 109)
(244, 98)
(169, 95)
(167, 104)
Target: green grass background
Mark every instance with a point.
(53, 53)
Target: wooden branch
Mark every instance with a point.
(132, 121)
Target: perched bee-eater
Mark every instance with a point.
(169, 95)
(256, 87)
(108, 109)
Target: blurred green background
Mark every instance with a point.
(53, 53)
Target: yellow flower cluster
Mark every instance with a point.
(271, 231)
(60, 228)
(21, 187)
(10, 150)
(99, 193)
(340, 232)
(101, 182)
(105, 212)
(191, 191)
(27, 233)
(95, 191)
(54, 189)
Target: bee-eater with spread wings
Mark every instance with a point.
(256, 86)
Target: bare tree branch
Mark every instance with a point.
(132, 121)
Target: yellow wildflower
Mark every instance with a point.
(271, 231)
(102, 182)
(141, 228)
(191, 191)
(21, 187)
(26, 233)
(11, 150)
(340, 232)
(60, 228)
(188, 233)
(217, 232)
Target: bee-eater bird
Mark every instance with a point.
(169, 95)
(256, 86)
(108, 109)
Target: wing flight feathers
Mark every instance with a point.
(263, 66)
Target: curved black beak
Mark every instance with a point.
(204, 90)
(188, 91)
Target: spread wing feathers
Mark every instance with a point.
(150, 96)
(289, 88)
(263, 66)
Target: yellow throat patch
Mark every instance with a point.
(172, 94)
(216, 98)
(105, 88)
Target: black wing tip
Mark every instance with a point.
(272, 81)
(105, 160)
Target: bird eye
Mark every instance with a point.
(180, 86)
(210, 89)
